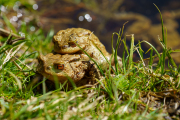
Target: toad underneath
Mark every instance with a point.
(60, 67)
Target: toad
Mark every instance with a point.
(61, 67)
(65, 42)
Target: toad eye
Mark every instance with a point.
(60, 66)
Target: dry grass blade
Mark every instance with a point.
(21, 63)
(10, 54)
(81, 107)
(87, 100)
(7, 33)
(92, 105)
(17, 79)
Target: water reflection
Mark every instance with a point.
(19, 23)
(81, 18)
(22, 34)
(102, 18)
(88, 17)
(3, 8)
(16, 6)
(19, 15)
(35, 6)
(26, 19)
(18, 3)
(14, 18)
(32, 28)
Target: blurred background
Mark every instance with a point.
(103, 17)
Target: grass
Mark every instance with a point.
(137, 91)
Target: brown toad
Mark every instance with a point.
(60, 67)
(64, 43)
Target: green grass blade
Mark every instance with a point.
(153, 48)
(163, 36)
(115, 53)
(140, 50)
(123, 57)
(101, 70)
(104, 57)
(171, 60)
(151, 58)
(131, 52)
(9, 25)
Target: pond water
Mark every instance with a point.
(104, 17)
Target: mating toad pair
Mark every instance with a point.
(68, 59)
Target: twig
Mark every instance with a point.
(7, 33)
(10, 42)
